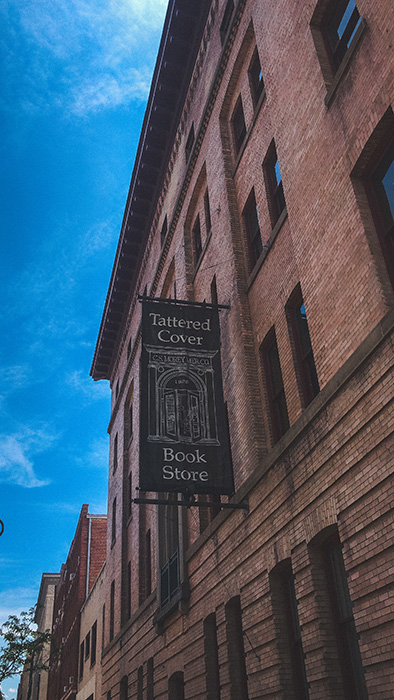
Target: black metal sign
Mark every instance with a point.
(184, 442)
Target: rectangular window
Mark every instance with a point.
(149, 680)
(250, 217)
(236, 650)
(212, 676)
(128, 593)
(226, 21)
(94, 644)
(343, 620)
(87, 646)
(339, 26)
(113, 526)
(274, 384)
(189, 143)
(81, 659)
(115, 465)
(197, 243)
(381, 194)
(148, 564)
(303, 354)
(112, 612)
(238, 126)
(163, 232)
(256, 81)
(169, 549)
(285, 609)
(129, 494)
(176, 686)
(274, 185)
(214, 290)
(207, 210)
(140, 683)
(103, 628)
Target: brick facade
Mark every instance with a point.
(285, 583)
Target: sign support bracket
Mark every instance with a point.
(189, 501)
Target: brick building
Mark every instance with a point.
(77, 577)
(264, 182)
(33, 684)
(90, 638)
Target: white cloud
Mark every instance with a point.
(16, 600)
(16, 452)
(83, 385)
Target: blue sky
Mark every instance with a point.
(75, 79)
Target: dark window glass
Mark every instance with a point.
(256, 80)
(211, 658)
(305, 363)
(285, 609)
(94, 644)
(252, 226)
(189, 143)
(224, 27)
(275, 389)
(343, 620)
(115, 451)
(113, 521)
(342, 21)
(164, 230)
(81, 660)
(382, 181)
(103, 628)
(197, 243)
(238, 126)
(148, 565)
(140, 683)
(169, 550)
(236, 650)
(214, 291)
(149, 680)
(176, 687)
(129, 348)
(207, 209)
(129, 494)
(112, 611)
(87, 646)
(276, 197)
(128, 590)
(124, 688)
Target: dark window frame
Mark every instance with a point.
(276, 397)
(93, 652)
(197, 240)
(190, 143)
(164, 230)
(211, 655)
(274, 185)
(207, 212)
(87, 646)
(256, 79)
(250, 217)
(81, 659)
(236, 650)
(116, 446)
(238, 126)
(302, 348)
(112, 612)
(338, 41)
(372, 181)
(226, 21)
(113, 523)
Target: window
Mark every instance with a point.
(274, 185)
(303, 354)
(149, 680)
(380, 188)
(103, 628)
(112, 612)
(140, 683)
(94, 644)
(164, 228)
(128, 592)
(81, 659)
(250, 217)
(343, 620)
(274, 385)
(285, 609)
(207, 210)
(189, 143)
(87, 646)
(197, 243)
(129, 494)
(339, 26)
(124, 689)
(238, 126)
(148, 564)
(256, 80)
(214, 290)
(128, 348)
(176, 686)
(212, 676)
(169, 550)
(115, 464)
(225, 25)
(236, 651)
(113, 538)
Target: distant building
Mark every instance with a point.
(34, 683)
(90, 642)
(263, 181)
(77, 577)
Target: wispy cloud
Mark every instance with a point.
(16, 600)
(81, 56)
(17, 452)
(82, 385)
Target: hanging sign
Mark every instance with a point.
(184, 441)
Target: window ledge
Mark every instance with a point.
(178, 602)
(266, 248)
(344, 65)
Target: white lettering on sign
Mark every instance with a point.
(170, 472)
(191, 457)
